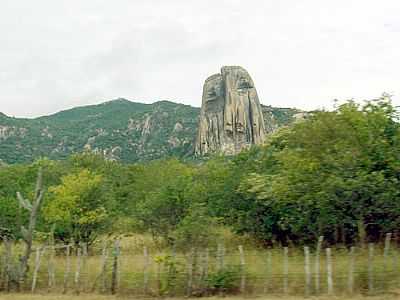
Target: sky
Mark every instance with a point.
(58, 54)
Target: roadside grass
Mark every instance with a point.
(390, 296)
(261, 277)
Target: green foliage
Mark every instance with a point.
(333, 173)
(197, 229)
(328, 175)
(77, 206)
(169, 271)
(225, 280)
(162, 197)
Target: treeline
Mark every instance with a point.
(334, 174)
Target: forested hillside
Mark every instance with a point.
(118, 129)
(334, 174)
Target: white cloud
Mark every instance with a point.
(59, 54)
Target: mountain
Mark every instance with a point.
(120, 129)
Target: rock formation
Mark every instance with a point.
(231, 118)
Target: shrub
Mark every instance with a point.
(224, 281)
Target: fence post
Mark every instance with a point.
(242, 270)
(104, 258)
(386, 251)
(50, 266)
(78, 270)
(159, 283)
(204, 273)
(67, 268)
(350, 284)
(84, 266)
(190, 260)
(307, 270)
(3, 264)
(268, 272)
(329, 270)
(317, 264)
(171, 269)
(146, 270)
(8, 264)
(114, 278)
(285, 270)
(39, 253)
(220, 256)
(395, 262)
(370, 267)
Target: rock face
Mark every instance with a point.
(231, 118)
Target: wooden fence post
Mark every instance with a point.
(317, 264)
(159, 275)
(78, 270)
(220, 256)
(146, 270)
(85, 271)
(67, 268)
(386, 251)
(285, 270)
(329, 270)
(50, 266)
(395, 262)
(8, 263)
(268, 272)
(39, 253)
(242, 270)
(204, 269)
(190, 260)
(104, 260)
(172, 270)
(370, 267)
(350, 284)
(3, 264)
(307, 271)
(114, 278)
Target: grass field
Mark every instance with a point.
(391, 296)
(263, 271)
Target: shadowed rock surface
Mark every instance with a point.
(231, 118)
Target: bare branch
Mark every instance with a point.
(25, 233)
(39, 183)
(23, 202)
(38, 202)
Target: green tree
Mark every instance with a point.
(197, 229)
(162, 197)
(78, 206)
(334, 174)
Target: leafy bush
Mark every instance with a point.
(224, 281)
(168, 274)
(196, 230)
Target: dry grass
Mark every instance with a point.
(391, 296)
(132, 265)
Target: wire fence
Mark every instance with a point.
(113, 268)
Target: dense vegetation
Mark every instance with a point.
(334, 174)
(119, 129)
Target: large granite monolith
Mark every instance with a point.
(231, 118)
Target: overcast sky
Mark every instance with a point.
(57, 54)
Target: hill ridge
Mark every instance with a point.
(120, 129)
